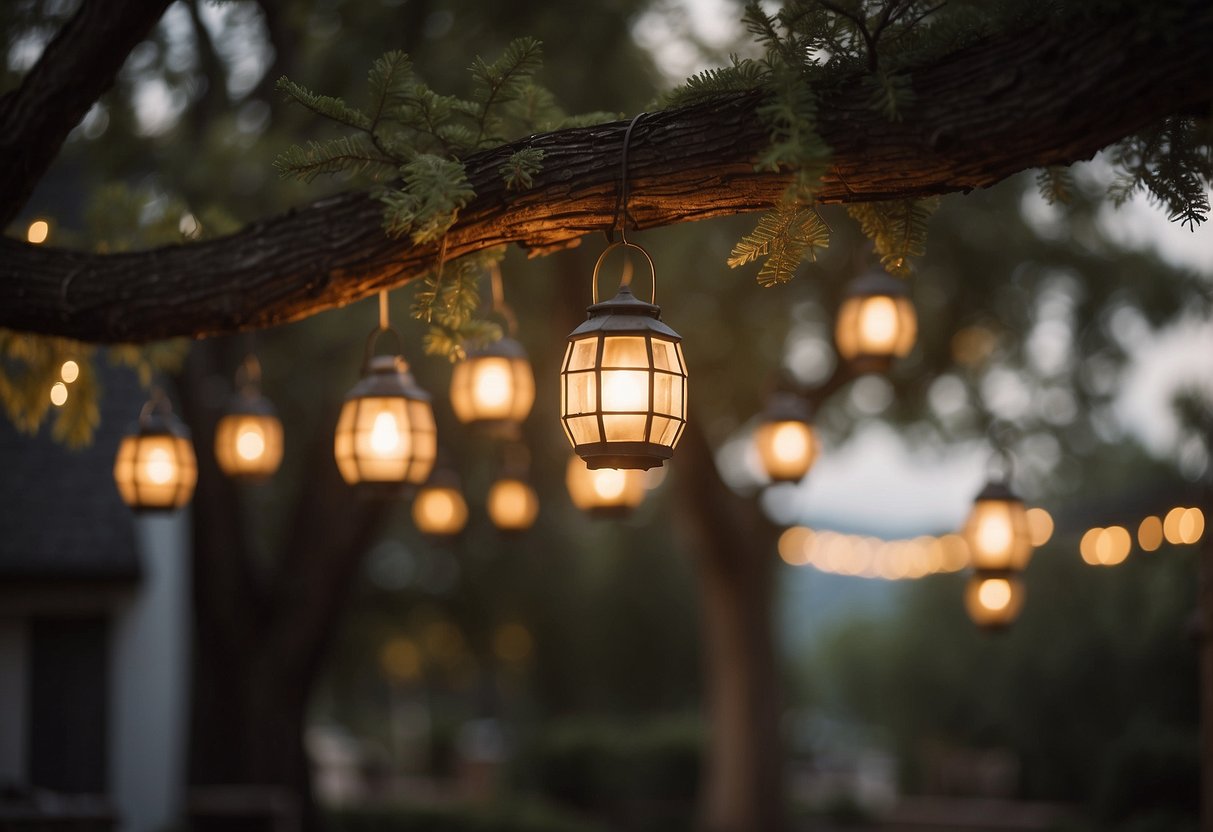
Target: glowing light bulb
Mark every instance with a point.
(58, 394)
(994, 534)
(791, 442)
(994, 594)
(385, 435)
(38, 231)
(878, 324)
(70, 371)
(625, 391)
(493, 385)
(250, 443)
(609, 483)
(440, 507)
(159, 466)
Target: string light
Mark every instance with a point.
(69, 372)
(38, 231)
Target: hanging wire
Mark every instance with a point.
(384, 323)
(620, 214)
(248, 374)
(499, 305)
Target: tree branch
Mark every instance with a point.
(74, 70)
(1048, 95)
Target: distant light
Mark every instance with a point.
(1149, 534)
(59, 394)
(70, 371)
(513, 643)
(38, 231)
(189, 226)
(1170, 525)
(1191, 525)
(401, 659)
(1040, 526)
(1086, 546)
(1114, 545)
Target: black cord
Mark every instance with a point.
(621, 195)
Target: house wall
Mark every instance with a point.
(150, 664)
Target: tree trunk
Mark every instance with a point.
(743, 788)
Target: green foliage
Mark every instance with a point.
(741, 76)
(518, 170)
(1172, 163)
(354, 154)
(1056, 185)
(898, 229)
(434, 190)
(784, 237)
(514, 816)
(891, 93)
(448, 299)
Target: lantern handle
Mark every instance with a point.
(248, 374)
(627, 278)
(156, 401)
(373, 339)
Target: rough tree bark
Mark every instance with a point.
(72, 72)
(743, 787)
(1048, 95)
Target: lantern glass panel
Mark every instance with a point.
(998, 535)
(385, 439)
(439, 510)
(625, 351)
(512, 505)
(607, 491)
(155, 470)
(249, 444)
(787, 449)
(994, 601)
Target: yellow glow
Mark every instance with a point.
(401, 659)
(994, 594)
(38, 231)
(250, 442)
(955, 552)
(1170, 525)
(513, 643)
(58, 394)
(997, 534)
(1087, 546)
(70, 371)
(1112, 545)
(1040, 526)
(794, 545)
(1149, 534)
(439, 510)
(512, 505)
(1191, 525)
(494, 385)
(878, 325)
(625, 390)
(608, 483)
(159, 467)
(993, 533)
(790, 442)
(385, 434)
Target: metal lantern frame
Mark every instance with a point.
(616, 437)
(848, 337)
(249, 405)
(386, 377)
(997, 495)
(158, 429)
(785, 408)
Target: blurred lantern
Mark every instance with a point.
(997, 530)
(623, 382)
(156, 469)
(439, 508)
(386, 438)
(876, 322)
(248, 439)
(604, 492)
(785, 439)
(512, 504)
(494, 386)
(994, 599)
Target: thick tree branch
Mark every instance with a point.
(1048, 95)
(72, 73)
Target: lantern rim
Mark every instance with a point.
(997, 490)
(626, 456)
(876, 282)
(786, 406)
(624, 314)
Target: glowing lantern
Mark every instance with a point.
(997, 530)
(439, 508)
(623, 383)
(512, 504)
(386, 438)
(155, 469)
(248, 438)
(785, 440)
(494, 387)
(994, 599)
(604, 492)
(876, 322)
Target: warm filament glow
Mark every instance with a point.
(609, 483)
(994, 594)
(878, 324)
(493, 385)
(993, 533)
(38, 231)
(1040, 526)
(70, 371)
(625, 391)
(58, 394)
(250, 443)
(791, 442)
(385, 434)
(159, 466)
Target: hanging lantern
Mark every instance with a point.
(786, 442)
(997, 530)
(439, 508)
(386, 438)
(248, 438)
(155, 469)
(876, 322)
(623, 383)
(512, 504)
(494, 387)
(604, 492)
(993, 599)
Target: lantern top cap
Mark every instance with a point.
(623, 314)
(998, 489)
(876, 282)
(387, 376)
(249, 402)
(504, 347)
(157, 418)
(786, 406)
